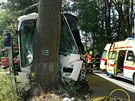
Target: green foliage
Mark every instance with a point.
(8, 18)
(7, 22)
(90, 20)
(1, 41)
(33, 76)
(107, 21)
(88, 14)
(16, 5)
(8, 90)
(10, 13)
(71, 90)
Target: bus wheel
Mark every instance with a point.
(134, 79)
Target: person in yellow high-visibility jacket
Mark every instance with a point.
(89, 61)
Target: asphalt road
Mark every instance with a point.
(103, 87)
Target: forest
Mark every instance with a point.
(106, 20)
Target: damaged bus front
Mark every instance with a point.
(69, 53)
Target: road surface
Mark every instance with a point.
(103, 87)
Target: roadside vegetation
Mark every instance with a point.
(8, 89)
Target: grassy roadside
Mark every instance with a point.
(8, 88)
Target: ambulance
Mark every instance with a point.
(121, 60)
(103, 61)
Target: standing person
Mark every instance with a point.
(89, 61)
(96, 61)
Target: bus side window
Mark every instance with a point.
(130, 56)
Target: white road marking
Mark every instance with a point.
(124, 85)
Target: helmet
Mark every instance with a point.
(90, 52)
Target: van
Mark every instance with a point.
(121, 60)
(104, 57)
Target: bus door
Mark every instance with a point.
(112, 62)
(120, 64)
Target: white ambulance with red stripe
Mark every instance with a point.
(121, 60)
(104, 58)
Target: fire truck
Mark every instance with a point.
(69, 53)
(121, 60)
(5, 58)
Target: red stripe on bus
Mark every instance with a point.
(129, 67)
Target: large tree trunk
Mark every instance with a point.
(46, 44)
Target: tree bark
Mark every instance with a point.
(46, 45)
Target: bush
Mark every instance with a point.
(8, 88)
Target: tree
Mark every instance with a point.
(9, 14)
(124, 20)
(90, 19)
(46, 44)
(107, 20)
(15, 5)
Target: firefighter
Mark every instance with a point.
(90, 62)
(96, 61)
(84, 58)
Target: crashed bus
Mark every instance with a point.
(69, 53)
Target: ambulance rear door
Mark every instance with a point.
(103, 61)
(112, 63)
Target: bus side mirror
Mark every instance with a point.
(7, 39)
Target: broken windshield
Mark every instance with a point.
(26, 41)
(67, 42)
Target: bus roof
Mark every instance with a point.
(27, 17)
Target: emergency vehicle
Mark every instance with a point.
(121, 60)
(104, 57)
(5, 57)
(69, 53)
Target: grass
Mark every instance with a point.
(8, 88)
(0, 69)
